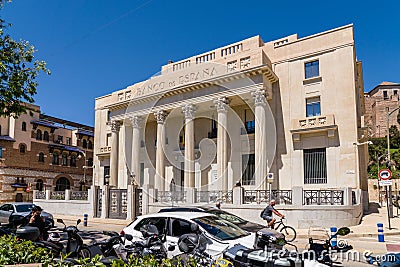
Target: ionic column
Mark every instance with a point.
(189, 111)
(222, 105)
(115, 126)
(137, 123)
(160, 156)
(260, 146)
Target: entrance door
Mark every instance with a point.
(118, 207)
(19, 197)
(98, 202)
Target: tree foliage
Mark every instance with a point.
(18, 72)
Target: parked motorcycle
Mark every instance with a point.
(75, 246)
(194, 245)
(321, 251)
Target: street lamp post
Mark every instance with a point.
(389, 197)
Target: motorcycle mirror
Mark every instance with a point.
(60, 221)
(171, 248)
(343, 231)
(78, 221)
(194, 227)
(128, 237)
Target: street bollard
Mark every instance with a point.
(85, 218)
(381, 237)
(333, 237)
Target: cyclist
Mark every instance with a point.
(267, 214)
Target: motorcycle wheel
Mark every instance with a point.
(84, 253)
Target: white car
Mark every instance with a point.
(222, 233)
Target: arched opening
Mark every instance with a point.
(22, 148)
(90, 144)
(62, 184)
(46, 136)
(64, 159)
(38, 135)
(39, 185)
(41, 157)
(84, 143)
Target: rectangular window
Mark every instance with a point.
(60, 139)
(141, 174)
(315, 166)
(68, 141)
(312, 69)
(106, 175)
(395, 92)
(250, 123)
(108, 139)
(248, 167)
(385, 95)
(313, 107)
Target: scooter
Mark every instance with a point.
(75, 247)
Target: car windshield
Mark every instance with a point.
(24, 207)
(228, 216)
(220, 228)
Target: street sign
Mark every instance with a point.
(385, 182)
(385, 174)
(28, 189)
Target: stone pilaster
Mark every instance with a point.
(188, 111)
(260, 146)
(137, 124)
(222, 105)
(160, 156)
(115, 126)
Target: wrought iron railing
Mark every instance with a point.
(171, 196)
(215, 196)
(79, 195)
(322, 197)
(60, 195)
(282, 197)
(40, 195)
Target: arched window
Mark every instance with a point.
(56, 158)
(72, 162)
(90, 162)
(62, 184)
(84, 143)
(41, 157)
(24, 126)
(22, 148)
(38, 135)
(39, 185)
(46, 136)
(64, 159)
(90, 144)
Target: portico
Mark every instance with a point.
(233, 116)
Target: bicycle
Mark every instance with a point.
(288, 231)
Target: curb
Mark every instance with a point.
(356, 235)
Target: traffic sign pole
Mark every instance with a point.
(387, 206)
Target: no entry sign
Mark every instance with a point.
(385, 174)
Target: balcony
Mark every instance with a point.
(325, 123)
(103, 151)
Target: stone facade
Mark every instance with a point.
(377, 102)
(29, 145)
(237, 115)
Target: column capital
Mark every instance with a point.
(222, 104)
(136, 121)
(260, 97)
(188, 111)
(115, 125)
(160, 115)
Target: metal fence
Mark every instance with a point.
(215, 196)
(282, 197)
(171, 196)
(79, 195)
(40, 195)
(322, 197)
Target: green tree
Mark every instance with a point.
(394, 135)
(18, 70)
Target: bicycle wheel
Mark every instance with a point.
(289, 233)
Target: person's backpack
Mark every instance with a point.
(262, 213)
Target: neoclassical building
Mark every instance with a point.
(241, 124)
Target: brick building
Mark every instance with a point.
(383, 96)
(42, 152)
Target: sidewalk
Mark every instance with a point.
(367, 227)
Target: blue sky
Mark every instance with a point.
(94, 47)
